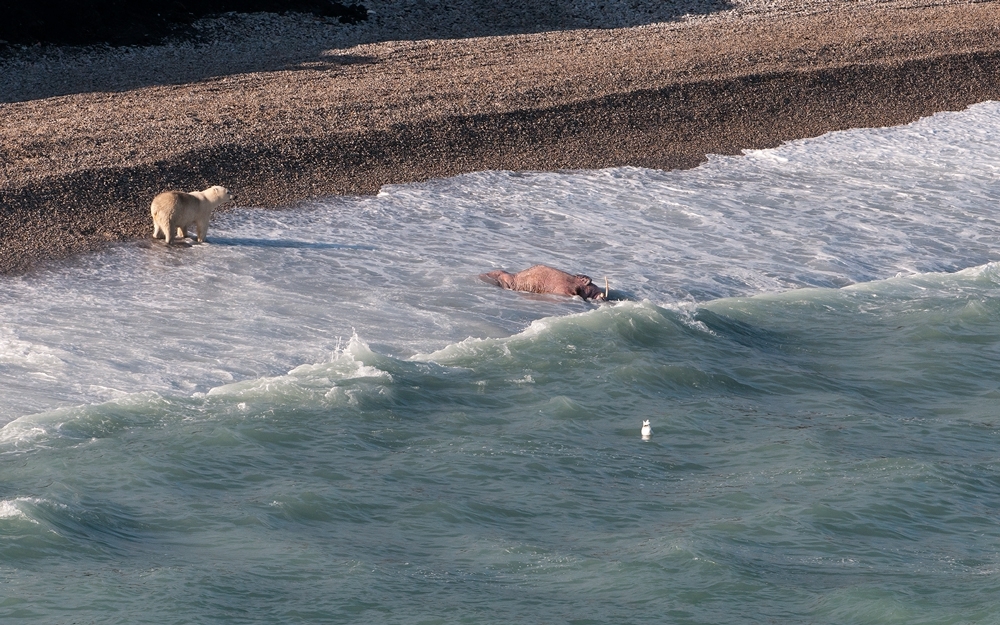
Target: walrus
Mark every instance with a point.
(544, 279)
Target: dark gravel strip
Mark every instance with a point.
(671, 127)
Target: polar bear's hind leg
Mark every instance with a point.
(168, 232)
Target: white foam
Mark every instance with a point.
(274, 290)
(323, 378)
(18, 433)
(11, 509)
(30, 357)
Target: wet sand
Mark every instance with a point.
(78, 170)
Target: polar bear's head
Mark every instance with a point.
(217, 195)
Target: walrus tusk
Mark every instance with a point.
(605, 288)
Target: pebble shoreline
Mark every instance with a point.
(319, 108)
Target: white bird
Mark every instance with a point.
(646, 430)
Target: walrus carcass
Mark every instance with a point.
(544, 279)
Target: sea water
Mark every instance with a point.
(322, 415)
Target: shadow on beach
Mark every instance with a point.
(118, 50)
(284, 243)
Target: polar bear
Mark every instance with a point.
(175, 211)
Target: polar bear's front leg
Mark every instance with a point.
(181, 234)
(202, 229)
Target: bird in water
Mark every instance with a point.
(646, 430)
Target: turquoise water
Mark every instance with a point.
(323, 416)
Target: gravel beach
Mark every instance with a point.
(282, 109)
